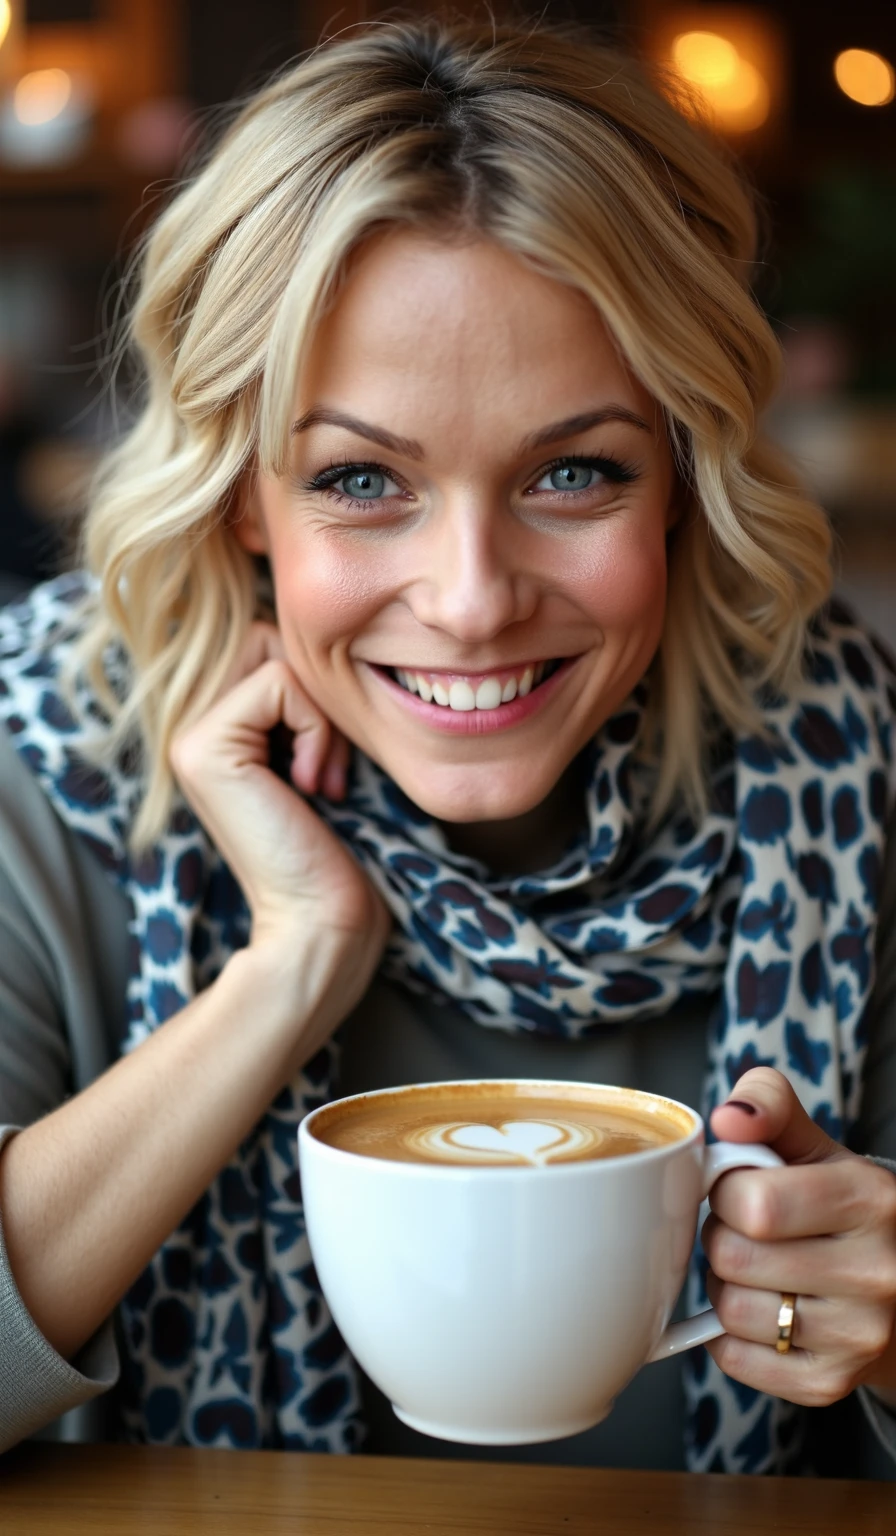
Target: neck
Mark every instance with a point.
(533, 841)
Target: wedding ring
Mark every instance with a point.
(786, 1315)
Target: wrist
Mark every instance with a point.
(286, 972)
(288, 990)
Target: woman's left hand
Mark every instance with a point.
(824, 1229)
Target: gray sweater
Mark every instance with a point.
(63, 970)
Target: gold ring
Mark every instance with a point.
(786, 1315)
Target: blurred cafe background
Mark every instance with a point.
(102, 102)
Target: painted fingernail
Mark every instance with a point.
(748, 1109)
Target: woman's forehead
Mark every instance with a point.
(419, 323)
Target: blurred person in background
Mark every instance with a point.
(452, 673)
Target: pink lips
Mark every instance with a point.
(476, 722)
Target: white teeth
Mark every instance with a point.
(461, 696)
(488, 694)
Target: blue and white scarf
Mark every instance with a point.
(771, 903)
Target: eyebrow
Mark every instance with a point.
(409, 448)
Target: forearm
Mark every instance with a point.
(89, 1193)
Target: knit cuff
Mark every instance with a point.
(36, 1383)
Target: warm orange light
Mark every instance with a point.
(734, 90)
(705, 59)
(41, 96)
(5, 19)
(865, 77)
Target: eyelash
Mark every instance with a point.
(614, 470)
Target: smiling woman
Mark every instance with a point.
(429, 196)
(508, 568)
(452, 672)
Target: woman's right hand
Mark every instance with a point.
(306, 894)
(89, 1191)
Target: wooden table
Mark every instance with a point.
(118, 1490)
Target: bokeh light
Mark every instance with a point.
(5, 18)
(705, 59)
(865, 77)
(732, 87)
(42, 95)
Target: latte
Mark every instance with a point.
(495, 1125)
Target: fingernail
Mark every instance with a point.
(748, 1109)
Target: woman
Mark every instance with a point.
(539, 756)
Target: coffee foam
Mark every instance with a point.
(501, 1123)
(514, 1141)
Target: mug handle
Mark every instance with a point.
(704, 1326)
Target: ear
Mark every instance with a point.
(246, 518)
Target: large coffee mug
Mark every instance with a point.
(505, 1304)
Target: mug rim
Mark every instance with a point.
(580, 1168)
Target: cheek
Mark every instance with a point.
(620, 580)
(324, 595)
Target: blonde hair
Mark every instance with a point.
(560, 149)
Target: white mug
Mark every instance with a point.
(504, 1305)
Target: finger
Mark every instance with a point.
(267, 696)
(262, 642)
(235, 733)
(334, 774)
(847, 1195)
(763, 1107)
(861, 1267)
(798, 1377)
(833, 1328)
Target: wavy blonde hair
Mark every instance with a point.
(560, 149)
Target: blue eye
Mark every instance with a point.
(571, 477)
(363, 484)
(584, 474)
(354, 484)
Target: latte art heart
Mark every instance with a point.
(535, 1142)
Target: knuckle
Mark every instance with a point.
(275, 671)
(816, 1394)
(184, 753)
(873, 1337)
(883, 1199)
(827, 1386)
(733, 1306)
(762, 1210)
(732, 1254)
(838, 1383)
(732, 1355)
(879, 1279)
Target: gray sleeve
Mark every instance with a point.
(37, 1384)
(53, 1040)
(876, 1131)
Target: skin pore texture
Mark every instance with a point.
(462, 552)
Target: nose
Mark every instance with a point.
(474, 582)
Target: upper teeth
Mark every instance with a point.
(488, 693)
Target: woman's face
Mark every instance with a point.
(479, 490)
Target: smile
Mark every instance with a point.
(473, 703)
(450, 690)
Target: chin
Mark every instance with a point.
(473, 795)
